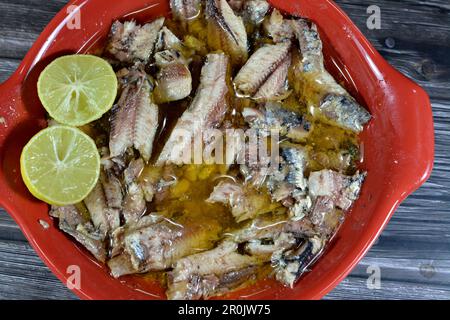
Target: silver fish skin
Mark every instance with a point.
(202, 275)
(73, 223)
(259, 242)
(157, 245)
(130, 43)
(167, 40)
(134, 121)
(226, 30)
(134, 204)
(185, 10)
(291, 264)
(273, 116)
(256, 10)
(117, 238)
(344, 190)
(96, 204)
(290, 245)
(271, 226)
(259, 70)
(344, 110)
(113, 191)
(310, 45)
(333, 193)
(174, 80)
(206, 111)
(335, 103)
(286, 180)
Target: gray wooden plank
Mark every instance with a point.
(24, 276)
(354, 288)
(18, 31)
(7, 66)
(417, 237)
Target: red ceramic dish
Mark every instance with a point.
(398, 146)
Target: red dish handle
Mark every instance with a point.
(10, 111)
(18, 123)
(12, 114)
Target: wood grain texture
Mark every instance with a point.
(413, 253)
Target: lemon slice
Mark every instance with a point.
(77, 89)
(60, 165)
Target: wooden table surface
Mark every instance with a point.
(412, 254)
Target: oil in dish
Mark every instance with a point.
(210, 229)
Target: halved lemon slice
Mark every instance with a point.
(60, 165)
(77, 89)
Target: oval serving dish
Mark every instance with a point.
(398, 145)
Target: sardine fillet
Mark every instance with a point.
(135, 120)
(260, 67)
(156, 247)
(225, 267)
(205, 112)
(73, 223)
(226, 31)
(96, 204)
(174, 83)
(333, 102)
(198, 275)
(245, 203)
(129, 42)
(274, 85)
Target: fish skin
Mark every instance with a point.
(285, 181)
(117, 238)
(291, 264)
(112, 189)
(120, 266)
(156, 246)
(272, 226)
(190, 275)
(104, 203)
(310, 45)
(134, 204)
(345, 111)
(134, 120)
(96, 204)
(130, 43)
(73, 223)
(226, 30)
(202, 275)
(334, 103)
(185, 10)
(256, 10)
(295, 158)
(273, 116)
(283, 250)
(259, 68)
(333, 193)
(167, 40)
(342, 189)
(206, 111)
